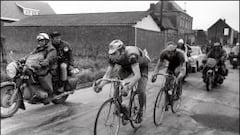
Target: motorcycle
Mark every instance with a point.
(233, 60)
(23, 85)
(212, 77)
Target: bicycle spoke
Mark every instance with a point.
(107, 122)
(159, 108)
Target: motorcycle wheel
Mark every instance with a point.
(209, 84)
(8, 109)
(60, 100)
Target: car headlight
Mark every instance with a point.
(11, 69)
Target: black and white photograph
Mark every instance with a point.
(165, 67)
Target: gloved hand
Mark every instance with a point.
(44, 63)
(75, 71)
(97, 87)
(154, 78)
(22, 60)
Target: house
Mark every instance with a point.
(89, 33)
(220, 31)
(12, 11)
(200, 37)
(180, 22)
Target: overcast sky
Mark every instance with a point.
(204, 13)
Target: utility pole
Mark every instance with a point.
(161, 14)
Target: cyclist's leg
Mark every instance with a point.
(123, 74)
(141, 91)
(179, 83)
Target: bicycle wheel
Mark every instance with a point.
(134, 109)
(159, 107)
(108, 119)
(176, 99)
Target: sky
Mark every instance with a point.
(204, 13)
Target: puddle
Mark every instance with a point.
(220, 122)
(61, 116)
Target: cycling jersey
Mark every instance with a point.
(131, 56)
(174, 61)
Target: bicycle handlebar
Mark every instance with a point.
(164, 74)
(108, 80)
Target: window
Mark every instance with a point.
(30, 12)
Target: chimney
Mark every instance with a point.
(152, 6)
(185, 4)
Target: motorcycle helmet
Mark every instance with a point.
(42, 36)
(180, 41)
(115, 45)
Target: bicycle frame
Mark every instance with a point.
(169, 84)
(117, 98)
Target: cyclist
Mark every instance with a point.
(177, 61)
(133, 68)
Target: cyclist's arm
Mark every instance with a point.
(160, 62)
(106, 75)
(159, 65)
(182, 65)
(182, 69)
(136, 75)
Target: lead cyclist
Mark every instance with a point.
(133, 70)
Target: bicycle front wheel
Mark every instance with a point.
(176, 99)
(159, 107)
(108, 119)
(134, 110)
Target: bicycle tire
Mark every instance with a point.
(111, 101)
(134, 110)
(175, 102)
(161, 94)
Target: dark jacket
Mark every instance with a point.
(64, 53)
(50, 58)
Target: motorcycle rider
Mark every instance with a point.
(220, 55)
(235, 49)
(43, 60)
(187, 49)
(177, 61)
(134, 68)
(65, 57)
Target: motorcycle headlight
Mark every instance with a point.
(12, 69)
(190, 59)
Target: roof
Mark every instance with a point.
(167, 23)
(10, 9)
(219, 21)
(112, 18)
(170, 6)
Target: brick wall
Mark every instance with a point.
(90, 41)
(152, 41)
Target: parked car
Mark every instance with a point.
(196, 58)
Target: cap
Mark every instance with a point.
(55, 34)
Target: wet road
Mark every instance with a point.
(202, 113)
